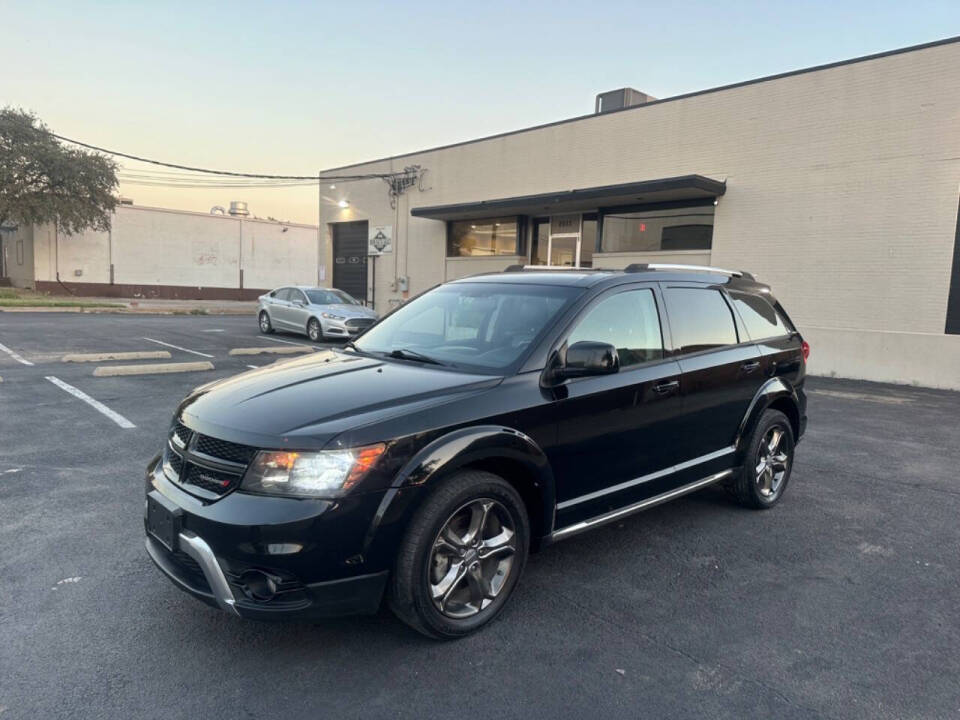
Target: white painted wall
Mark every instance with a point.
(155, 246)
(842, 193)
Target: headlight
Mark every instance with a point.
(328, 473)
(331, 316)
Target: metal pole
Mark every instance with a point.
(320, 254)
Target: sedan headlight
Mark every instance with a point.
(329, 473)
(331, 316)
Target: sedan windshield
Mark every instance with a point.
(330, 297)
(484, 326)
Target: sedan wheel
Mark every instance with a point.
(264, 321)
(314, 330)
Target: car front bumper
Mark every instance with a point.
(307, 554)
(343, 328)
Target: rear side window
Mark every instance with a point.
(760, 317)
(629, 322)
(283, 294)
(700, 319)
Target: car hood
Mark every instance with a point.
(305, 403)
(348, 311)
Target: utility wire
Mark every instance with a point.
(314, 178)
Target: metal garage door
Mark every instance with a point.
(350, 258)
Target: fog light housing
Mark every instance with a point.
(257, 585)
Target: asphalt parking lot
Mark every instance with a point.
(843, 602)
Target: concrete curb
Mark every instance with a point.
(271, 350)
(100, 357)
(152, 369)
(127, 310)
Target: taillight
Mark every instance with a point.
(805, 346)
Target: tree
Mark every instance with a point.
(43, 181)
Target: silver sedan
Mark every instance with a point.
(319, 313)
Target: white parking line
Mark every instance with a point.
(288, 342)
(95, 404)
(253, 367)
(177, 347)
(14, 355)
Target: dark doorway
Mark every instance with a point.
(350, 258)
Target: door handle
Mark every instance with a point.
(750, 365)
(666, 386)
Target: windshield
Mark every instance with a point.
(330, 297)
(483, 326)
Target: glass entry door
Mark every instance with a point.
(564, 240)
(565, 250)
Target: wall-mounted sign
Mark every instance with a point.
(380, 240)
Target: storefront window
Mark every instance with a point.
(658, 230)
(480, 238)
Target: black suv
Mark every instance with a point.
(486, 418)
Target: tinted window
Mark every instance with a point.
(700, 319)
(686, 237)
(658, 230)
(760, 317)
(284, 293)
(629, 322)
(297, 296)
(471, 325)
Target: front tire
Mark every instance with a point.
(461, 557)
(314, 330)
(767, 463)
(263, 321)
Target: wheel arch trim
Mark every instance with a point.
(770, 392)
(470, 446)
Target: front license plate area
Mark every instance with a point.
(163, 520)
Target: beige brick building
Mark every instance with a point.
(838, 185)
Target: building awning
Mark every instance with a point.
(687, 187)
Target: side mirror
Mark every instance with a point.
(299, 303)
(586, 358)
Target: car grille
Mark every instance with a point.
(224, 450)
(359, 323)
(202, 465)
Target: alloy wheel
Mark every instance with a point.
(264, 322)
(472, 557)
(772, 462)
(313, 330)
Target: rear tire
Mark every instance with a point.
(314, 330)
(461, 556)
(266, 326)
(767, 463)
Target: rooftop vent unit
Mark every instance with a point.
(238, 208)
(619, 99)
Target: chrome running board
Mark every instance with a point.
(637, 507)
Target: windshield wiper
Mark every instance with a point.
(405, 354)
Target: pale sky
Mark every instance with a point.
(292, 88)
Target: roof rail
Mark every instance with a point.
(640, 267)
(551, 268)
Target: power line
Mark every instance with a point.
(314, 178)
